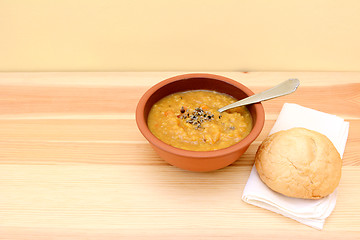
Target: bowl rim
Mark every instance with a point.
(142, 124)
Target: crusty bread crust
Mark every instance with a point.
(299, 163)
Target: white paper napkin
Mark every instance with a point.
(307, 211)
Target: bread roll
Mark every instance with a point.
(299, 163)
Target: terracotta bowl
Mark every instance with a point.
(199, 161)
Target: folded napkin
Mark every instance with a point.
(307, 211)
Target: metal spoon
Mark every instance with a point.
(284, 88)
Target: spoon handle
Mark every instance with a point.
(282, 89)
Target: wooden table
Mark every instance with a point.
(75, 166)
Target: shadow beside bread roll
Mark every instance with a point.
(299, 163)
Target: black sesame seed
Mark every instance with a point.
(182, 110)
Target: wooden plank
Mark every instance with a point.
(60, 153)
(57, 102)
(79, 100)
(106, 142)
(96, 130)
(107, 196)
(71, 130)
(175, 233)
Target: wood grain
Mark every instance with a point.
(73, 164)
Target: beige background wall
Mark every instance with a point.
(186, 35)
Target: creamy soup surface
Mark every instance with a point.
(190, 120)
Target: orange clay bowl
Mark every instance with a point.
(199, 161)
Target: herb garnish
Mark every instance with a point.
(196, 117)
